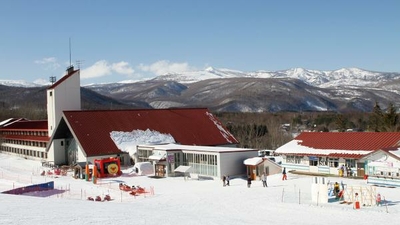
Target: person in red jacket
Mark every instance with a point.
(378, 200)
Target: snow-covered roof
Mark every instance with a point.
(183, 169)
(157, 156)
(253, 161)
(128, 141)
(295, 147)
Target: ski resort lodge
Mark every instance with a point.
(374, 156)
(199, 160)
(71, 135)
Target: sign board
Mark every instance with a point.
(171, 158)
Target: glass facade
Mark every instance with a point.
(143, 155)
(205, 164)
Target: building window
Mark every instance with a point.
(351, 163)
(322, 161)
(313, 161)
(201, 163)
(143, 155)
(334, 162)
(293, 159)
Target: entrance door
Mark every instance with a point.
(253, 172)
(160, 170)
(360, 169)
(267, 170)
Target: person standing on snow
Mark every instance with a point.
(224, 180)
(378, 200)
(336, 189)
(248, 181)
(264, 179)
(284, 177)
(227, 180)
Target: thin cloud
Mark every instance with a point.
(49, 63)
(163, 67)
(103, 68)
(122, 68)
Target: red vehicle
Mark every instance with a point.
(108, 167)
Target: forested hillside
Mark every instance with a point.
(269, 130)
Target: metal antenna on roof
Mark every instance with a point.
(71, 67)
(70, 63)
(79, 63)
(52, 79)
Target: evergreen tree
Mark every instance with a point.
(376, 119)
(391, 118)
(341, 123)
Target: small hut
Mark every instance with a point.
(257, 165)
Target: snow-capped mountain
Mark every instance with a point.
(297, 89)
(317, 78)
(195, 76)
(21, 83)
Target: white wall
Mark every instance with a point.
(59, 152)
(65, 96)
(82, 157)
(35, 148)
(231, 163)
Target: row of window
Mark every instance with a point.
(323, 161)
(26, 143)
(387, 174)
(202, 163)
(25, 152)
(26, 133)
(320, 161)
(294, 159)
(208, 170)
(199, 158)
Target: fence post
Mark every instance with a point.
(385, 204)
(299, 196)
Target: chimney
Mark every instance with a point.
(70, 69)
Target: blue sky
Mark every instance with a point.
(132, 39)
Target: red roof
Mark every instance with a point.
(27, 125)
(62, 79)
(367, 141)
(187, 126)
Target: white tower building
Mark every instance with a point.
(65, 94)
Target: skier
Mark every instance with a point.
(264, 179)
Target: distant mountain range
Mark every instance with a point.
(298, 89)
